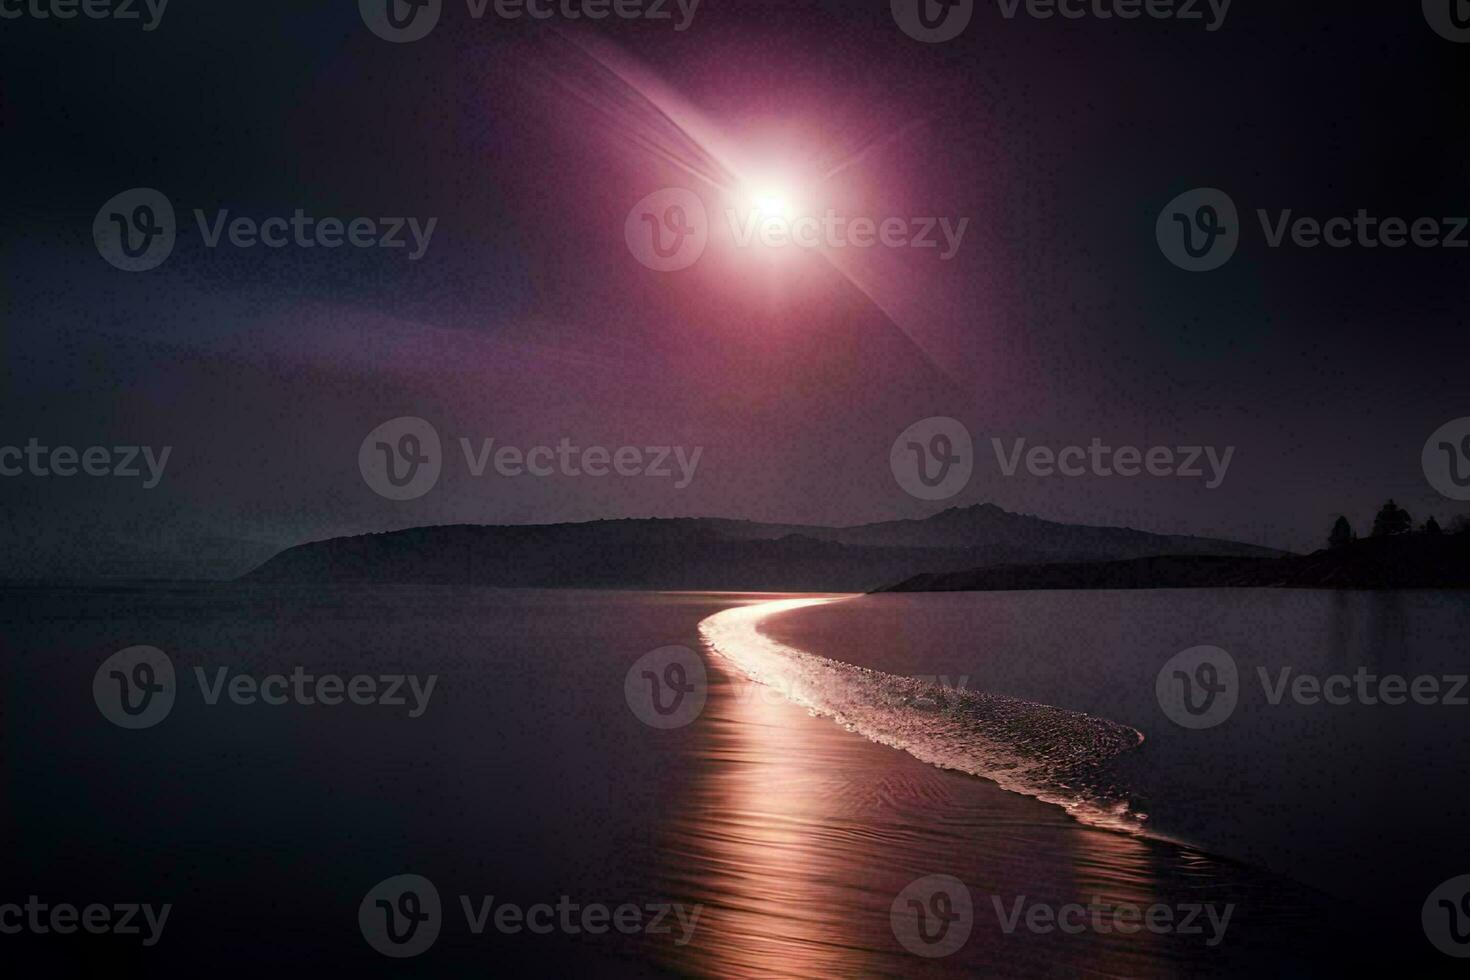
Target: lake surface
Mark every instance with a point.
(528, 776)
(1366, 801)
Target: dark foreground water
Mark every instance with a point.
(760, 839)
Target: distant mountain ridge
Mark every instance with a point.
(1417, 561)
(720, 553)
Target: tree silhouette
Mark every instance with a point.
(1431, 526)
(1392, 519)
(1342, 534)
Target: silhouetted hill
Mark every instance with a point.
(1399, 562)
(1003, 533)
(713, 553)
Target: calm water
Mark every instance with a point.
(528, 777)
(1355, 799)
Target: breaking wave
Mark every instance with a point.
(1049, 753)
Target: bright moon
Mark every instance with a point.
(772, 203)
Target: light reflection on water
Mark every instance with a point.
(797, 835)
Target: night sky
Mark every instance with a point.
(528, 319)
